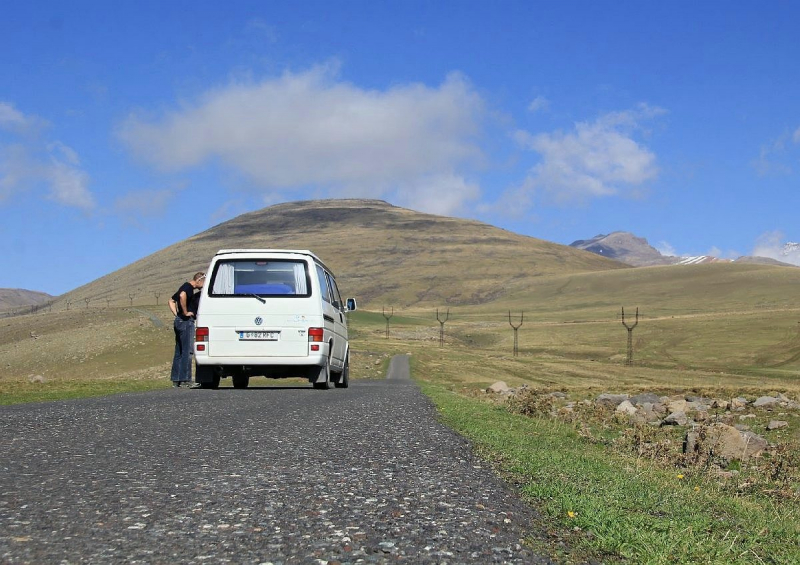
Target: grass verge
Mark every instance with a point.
(609, 507)
(18, 392)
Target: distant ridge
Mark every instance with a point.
(382, 254)
(11, 298)
(626, 247)
(637, 252)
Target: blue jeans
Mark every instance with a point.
(182, 360)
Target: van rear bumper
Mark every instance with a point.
(315, 359)
(210, 369)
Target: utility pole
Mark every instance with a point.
(517, 327)
(387, 320)
(629, 360)
(441, 326)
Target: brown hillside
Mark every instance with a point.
(11, 298)
(381, 254)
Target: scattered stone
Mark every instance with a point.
(675, 419)
(742, 427)
(645, 397)
(36, 379)
(610, 400)
(739, 403)
(498, 387)
(699, 400)
(721, 404)
(777, 424)
(697, 407)
(560, 395)
(701, 416)
(755, 444)
(747, 416)
(625, 407)
(677, 405)
(725, 442)
(649, 412)
(766, 402)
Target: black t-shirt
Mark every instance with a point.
(194, 303)
(189, 290)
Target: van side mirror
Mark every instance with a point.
(351, 304)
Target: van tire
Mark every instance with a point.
(344, 377)
(240, 381)
(324, 371)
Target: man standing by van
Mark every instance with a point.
(184, 330)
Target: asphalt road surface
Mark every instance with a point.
(270, 475)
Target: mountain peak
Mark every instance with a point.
(625, 247)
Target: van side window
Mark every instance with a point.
(323, 284)
(332, 289)
(337, 298)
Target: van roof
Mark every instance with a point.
(271, 252)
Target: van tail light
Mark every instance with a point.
(315, 334)
(201, 334)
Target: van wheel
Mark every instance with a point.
(240, 381)
(344, 377)
(324, 372)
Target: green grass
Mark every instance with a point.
(621, 508)
(20, 393)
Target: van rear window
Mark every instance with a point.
(245, 277)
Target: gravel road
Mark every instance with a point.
(269, 475)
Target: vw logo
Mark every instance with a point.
(258, 320)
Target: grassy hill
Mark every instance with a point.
(11, 298)
(723, 325)
(381, 254)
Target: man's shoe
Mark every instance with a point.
(196, 385)
(176, 384)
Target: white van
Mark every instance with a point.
(273, 313)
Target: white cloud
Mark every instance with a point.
(15, 121)
(30, 162)
(773, 245)
(10, 117)
(775, 157)
(599, 158)
(68, 185)
(310, 129)
(444, 194)
(538, 103)
(666, 249)
(149, 203)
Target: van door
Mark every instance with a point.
(340, 322)
(329, 315)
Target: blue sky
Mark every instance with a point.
(128, 126)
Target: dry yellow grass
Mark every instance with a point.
(721, 326)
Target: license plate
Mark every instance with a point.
(259, 336)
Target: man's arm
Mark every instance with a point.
(173, 306)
